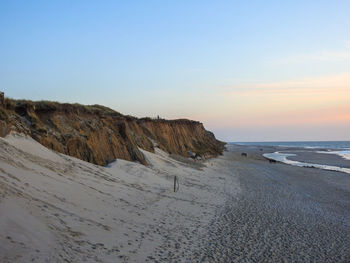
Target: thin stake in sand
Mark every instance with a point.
(176, 184)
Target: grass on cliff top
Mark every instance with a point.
(49, 106)
(178, 121)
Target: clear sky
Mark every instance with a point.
(249, 70)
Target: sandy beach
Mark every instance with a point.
(55, 208)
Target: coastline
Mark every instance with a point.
(236, 208)
(325, 159)
(284, 212)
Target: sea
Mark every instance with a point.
(345, 145)
(340, 148)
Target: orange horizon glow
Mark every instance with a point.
(314, 101)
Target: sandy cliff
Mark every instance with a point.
(100, 135)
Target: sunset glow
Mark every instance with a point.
(256, 72)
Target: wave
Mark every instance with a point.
(341, 145)
(344, 154)
(282, 157)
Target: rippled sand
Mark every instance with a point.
(54, 208)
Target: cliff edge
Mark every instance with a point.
(100, 135)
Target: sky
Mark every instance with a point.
(249, 70)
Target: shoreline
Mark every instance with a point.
(234, 208)
(319, 158)
(284, 213)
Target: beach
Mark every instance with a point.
(285, 213)
(234, 208)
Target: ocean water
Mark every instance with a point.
(340, 148)
(305, 144)
(283, 157)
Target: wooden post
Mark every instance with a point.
(175, 183)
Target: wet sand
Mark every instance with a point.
(54, 208)
(282, 214)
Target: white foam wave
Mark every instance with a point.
(282, 157)
(344, 154)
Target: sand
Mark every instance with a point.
(55, 208)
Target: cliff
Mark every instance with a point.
(100, 135)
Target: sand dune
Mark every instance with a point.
(55, 208)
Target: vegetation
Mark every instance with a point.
(3, 114)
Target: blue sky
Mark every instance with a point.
(213, 61)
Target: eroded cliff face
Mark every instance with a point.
(100, 135)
